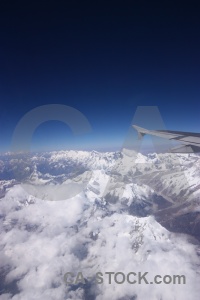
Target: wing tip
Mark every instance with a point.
(139, 130)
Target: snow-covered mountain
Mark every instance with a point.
(166, 185)
(111, 220)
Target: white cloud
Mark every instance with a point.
(41, 242)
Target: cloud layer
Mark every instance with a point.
(42, 240)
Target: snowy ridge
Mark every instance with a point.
(106, 224)
(43, 241)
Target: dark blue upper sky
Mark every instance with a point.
(102, 60)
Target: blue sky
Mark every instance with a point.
(103, 62)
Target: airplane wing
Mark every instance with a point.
(190, 140)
